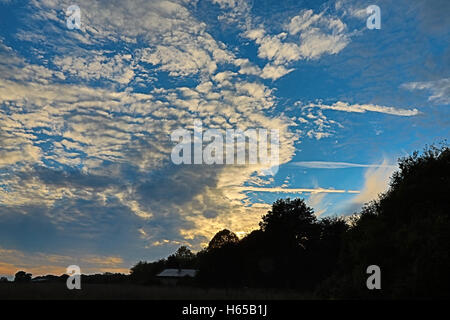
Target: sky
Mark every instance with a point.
(87, 113)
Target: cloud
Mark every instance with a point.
(39, 263)
(316, 201)
(274, 49)
(274, 72)
(362, 108)
(296, 190)
(317, 34)
(318, 134)
(314, 124)
(376, 182)
(354, 10)
(440, 89)
(97, 65)
(307, 35)
(235, 12)
(336, 165)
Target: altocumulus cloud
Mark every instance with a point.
(86, 130)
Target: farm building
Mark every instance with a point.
(173, 277)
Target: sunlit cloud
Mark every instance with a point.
(44, 263)
(376, 182)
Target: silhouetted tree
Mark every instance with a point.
(106, 277)
(286, 212)
(292, 233)
(22, 276)
(144, 272)
(327, 251)
(184, 253)
(182, 258)
(292, 222)
(219, 263)
(269, 257)
(222, 238)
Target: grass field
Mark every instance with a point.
(51, 291)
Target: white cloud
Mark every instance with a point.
(362, 108)
(235, 11)
(246, 67)
(315, 124)
(440, 89)
(274, 49)
(97, 65)
(318, 134)
(315, 43)
(317, 34)
(274, 72)
(349, 8)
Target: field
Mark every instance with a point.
(51, 291)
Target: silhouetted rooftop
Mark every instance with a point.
(178, 273)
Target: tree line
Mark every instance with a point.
(406, 232)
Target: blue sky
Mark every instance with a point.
(86, 116)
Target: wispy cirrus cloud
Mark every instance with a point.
(296, 190)
(362, 108)
(439, 89)
(336, 165)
